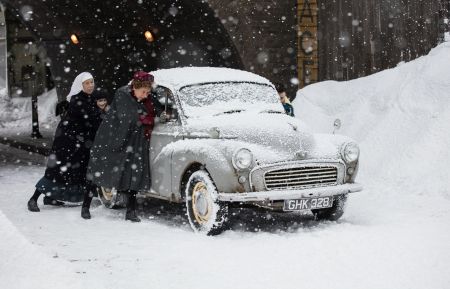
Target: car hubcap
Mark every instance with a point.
(201, 204)
(107, 194)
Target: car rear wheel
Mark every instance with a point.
(110, 198)
(205, 213)
(333, 213)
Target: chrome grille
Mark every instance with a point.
(300, 177)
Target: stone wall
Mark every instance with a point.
(361, 37)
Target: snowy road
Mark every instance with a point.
(394, 235)
(390, 242)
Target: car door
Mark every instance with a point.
(164, 133)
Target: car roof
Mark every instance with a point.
(176, 78)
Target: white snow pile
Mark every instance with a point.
(23, 264)
(15, 113)
(400, 117)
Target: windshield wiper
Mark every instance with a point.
(230, 111)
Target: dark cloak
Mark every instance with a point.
(69, 156)
(120, 155)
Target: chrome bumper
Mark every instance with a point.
(276, 195)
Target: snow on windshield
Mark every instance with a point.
(217, 98)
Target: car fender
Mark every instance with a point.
(206, 153)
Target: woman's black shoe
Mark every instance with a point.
(32, 206)
(131, 208)
(85, 214)
(52, 202)
(131, 216)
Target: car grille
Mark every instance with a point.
(300, 177)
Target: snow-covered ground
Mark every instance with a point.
(15, 113)
(395, 234)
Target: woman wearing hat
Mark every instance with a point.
(65, 175)
(120, 154)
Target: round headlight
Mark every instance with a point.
(242, 159)
(350, 152)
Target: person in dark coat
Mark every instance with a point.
(65, 175)
(288, 108)
(120, 154)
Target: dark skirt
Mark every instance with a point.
(61, 192)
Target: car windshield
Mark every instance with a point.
(228, 97)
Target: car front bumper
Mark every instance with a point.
(276, 195)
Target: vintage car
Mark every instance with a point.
(229, 142)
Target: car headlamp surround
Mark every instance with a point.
(242, 159)
(350, 152)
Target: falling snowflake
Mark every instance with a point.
(26, 12)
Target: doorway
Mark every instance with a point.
(25, 62)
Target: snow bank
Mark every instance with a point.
(15, 113)
(400, 117)
(24, 266)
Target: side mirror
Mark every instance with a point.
(337, 125)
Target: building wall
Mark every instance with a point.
(265, 34)
(360, 37)
(346, 39)
(330, 39)
(111, 37)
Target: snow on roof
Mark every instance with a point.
(175, 78)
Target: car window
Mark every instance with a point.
(162, 93)
(166, 98)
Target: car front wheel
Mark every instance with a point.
(333, 213)
(205, 213)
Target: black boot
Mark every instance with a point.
(32, 206)
(131, 208)
(132, 216)
(32, 203)
(52, 202)
(85, 214)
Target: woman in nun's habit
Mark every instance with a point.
(65, 177)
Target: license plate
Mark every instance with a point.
(308, 204)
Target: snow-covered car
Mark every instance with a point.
(229, 142)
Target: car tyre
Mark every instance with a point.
(111, 199)
(206, 214)
(333, 213)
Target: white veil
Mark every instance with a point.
(77, 84)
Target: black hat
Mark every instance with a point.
(100, 94)
(280, 87)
